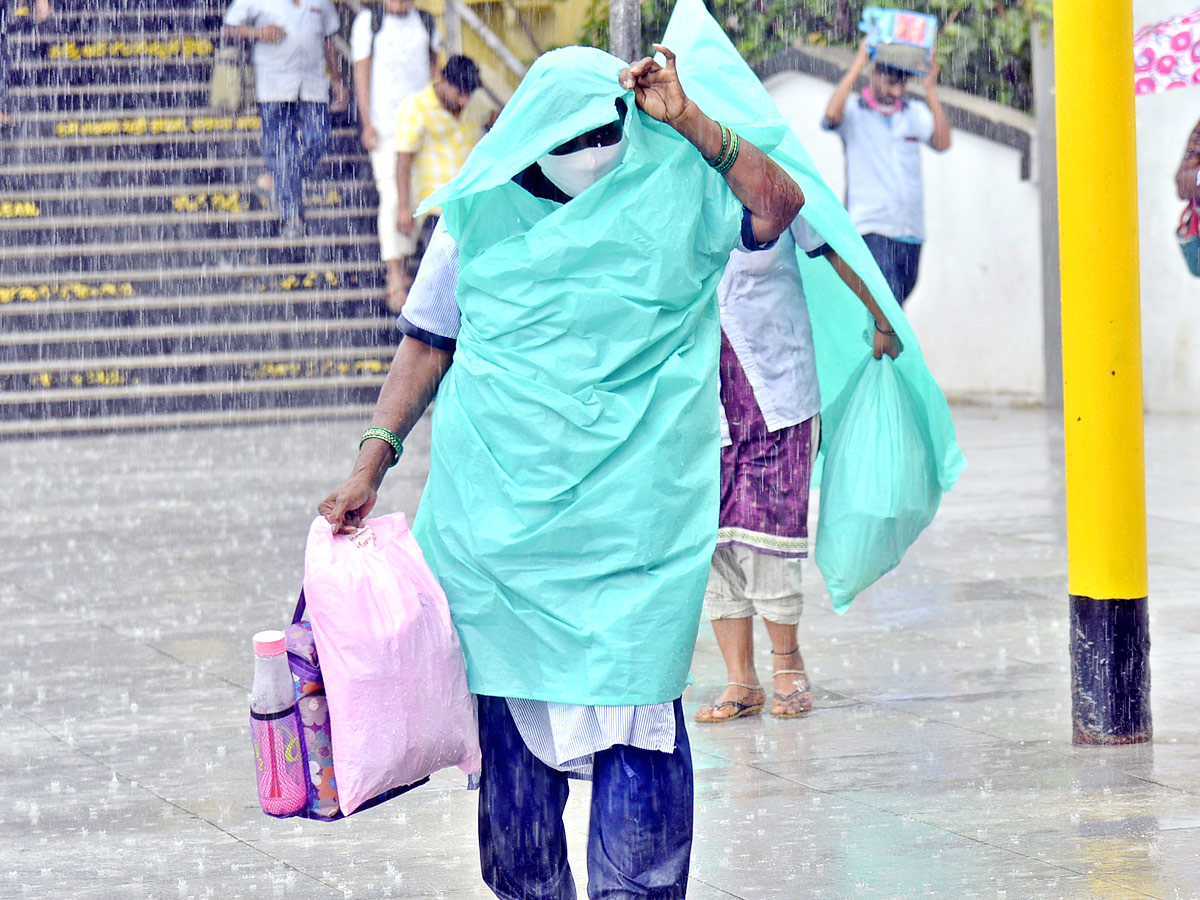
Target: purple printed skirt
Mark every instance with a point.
(764, 474)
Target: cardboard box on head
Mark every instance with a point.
(900, 38)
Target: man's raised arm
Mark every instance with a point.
(764, 188)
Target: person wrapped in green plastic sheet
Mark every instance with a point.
(570, 511)
(764, 501)
(718, 79)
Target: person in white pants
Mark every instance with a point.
(395, 51)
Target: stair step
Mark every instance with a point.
(77, 285)
(39, 152)
(36, 381)
(149, 129)
(103, 407)
(358, 408)
(334, 161)
(135, 312)
(142, 283)
(253, 221)
(212, 339)
(31, 209)
(119, 73)
(107, 23)
(99, 258)
(195, 331)
(93, 98)
(198, 174)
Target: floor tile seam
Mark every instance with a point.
(844, 798)
(1169, 787)
(200, 672)
(1067, 752)
(847, 798)
(709, 884)
(1036, 859)
(908, 816)
(147, 789)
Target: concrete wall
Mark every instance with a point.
(1170, 296)
(977, 307)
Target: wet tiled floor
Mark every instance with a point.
(937, 762)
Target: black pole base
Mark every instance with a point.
(1110, 671)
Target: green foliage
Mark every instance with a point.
(984, 46)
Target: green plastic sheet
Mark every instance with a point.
(571, 507)
(718, 79)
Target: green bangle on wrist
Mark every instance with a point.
(388, 437)
(730, 144)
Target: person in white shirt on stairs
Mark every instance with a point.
(395, 50)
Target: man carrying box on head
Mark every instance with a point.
(882, 131)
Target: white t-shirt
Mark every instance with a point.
(765, 317)
(294, 68)
(884, 190)
(399, 63)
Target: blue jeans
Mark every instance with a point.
(898, 260)
(640, 836)
(295, 136)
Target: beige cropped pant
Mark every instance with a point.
(742, 582)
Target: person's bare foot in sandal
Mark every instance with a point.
(736, 702)
(793, 691)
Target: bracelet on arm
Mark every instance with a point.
(884, 331)
(730, 144)
(389, 437)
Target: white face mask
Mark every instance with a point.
(573, 173)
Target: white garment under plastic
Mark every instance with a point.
(565, 735)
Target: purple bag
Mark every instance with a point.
(315, 732)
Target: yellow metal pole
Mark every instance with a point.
(1102, 370)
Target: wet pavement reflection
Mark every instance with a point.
(937, 761)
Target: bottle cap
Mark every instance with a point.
(270, 643)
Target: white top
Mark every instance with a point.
(884, 190)
(765, 317)
(562, 735)
(294, 68)
(399, 63)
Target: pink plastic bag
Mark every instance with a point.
(399, 705)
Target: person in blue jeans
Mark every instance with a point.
(295, 67)
(584, 374)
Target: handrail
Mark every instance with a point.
(466, 14)
(497, 46)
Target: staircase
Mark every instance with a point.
(142, 281)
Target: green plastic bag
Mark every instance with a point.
(880, 486)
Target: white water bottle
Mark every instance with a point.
(272, 690)
(282, 786)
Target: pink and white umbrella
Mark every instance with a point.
(1167, 55)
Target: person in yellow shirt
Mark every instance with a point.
(434, 138)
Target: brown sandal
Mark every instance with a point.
(708, 714)
(796, 704)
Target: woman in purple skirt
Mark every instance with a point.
(770, 432)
